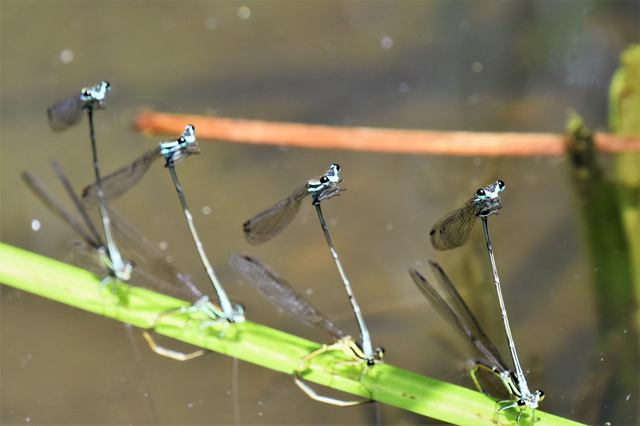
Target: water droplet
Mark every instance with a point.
(206, 210)
(403, 88)
(163, 245)
(386, 42)
(67, 56)
(389, 226)
(244, 12)
(35, 225)
(476, 67)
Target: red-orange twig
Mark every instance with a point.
(370, 139)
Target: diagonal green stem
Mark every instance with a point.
(255, 343)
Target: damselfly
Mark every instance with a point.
(270, 222)
(280, 293)
(151, 271)
(68, 113)
(173, 151)
(460, 316)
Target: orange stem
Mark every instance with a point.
(375, 140)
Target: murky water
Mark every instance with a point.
(482, 66)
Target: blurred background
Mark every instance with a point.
(436, 65)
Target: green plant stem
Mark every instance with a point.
(624, 120)
(612, 280)
(255, 343)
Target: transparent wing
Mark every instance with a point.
(466, 323)
(266, 225)
(56, 208)
(120, 181)
(280, 293)
(65, 113)
(76, 202)
(151, 269)
(86, 257)
(455, 229)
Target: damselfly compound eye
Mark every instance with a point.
(480, 192)
(337, 167)
(500, 185)
(324, 179)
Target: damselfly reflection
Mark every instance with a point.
(458, 314)
(151, 270)
(280, 293)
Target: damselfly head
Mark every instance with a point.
(125, 273)
(95, 93)
(177, 150)
(332, 173)
(488, 199)
(320, 184)
(531, 400)
(238, 313)
(189, 134)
